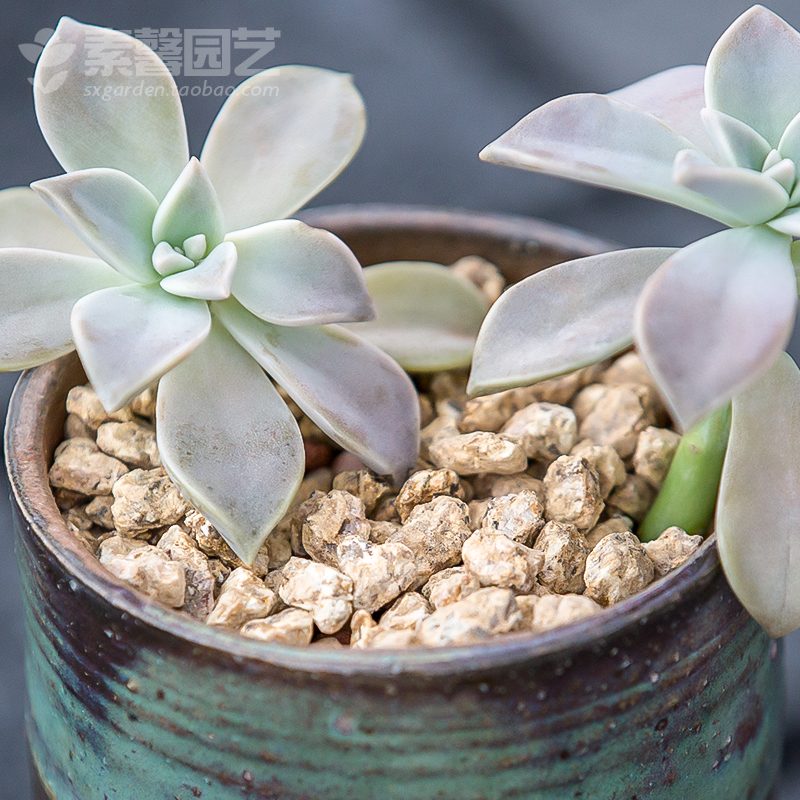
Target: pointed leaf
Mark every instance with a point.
(128, 338)
(715, 316)
(603, 141)
(281, 137)
(291, 274)
(784, 172)
(562, 318)
(38, 289)
(758, 514)
(167, 260)
(229, 441)
(427, 317)
(738, 144)
(111, 212)
(788, 222)
(209, 280)
(352, 390)
(130, 119)
(789, 145)
(191, 207)
(753, 70)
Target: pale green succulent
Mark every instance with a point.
(200, 281)
(712, 319)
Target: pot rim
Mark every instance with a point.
(25, 463)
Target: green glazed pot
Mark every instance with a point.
(674, 694)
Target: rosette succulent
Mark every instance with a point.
(186, 270)
(711, 320)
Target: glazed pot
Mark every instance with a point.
(675, 693)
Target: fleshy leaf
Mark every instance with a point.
(749, 196)
(561, 319)
(195, 246)
(291, 274)
(38, 289)
(789, 145)
(209, 280)
(229, 441)
(428, 317)
(130, 119)
(167, 260)
(128, 338)
(191, 207)
(715, 316)
(352, 390)
(281, 137)
(752, 73)
(784, 172)
(738, 144)
(788, 222)
(600, 140)
(27, 221)
(758, 514)
(111, 212)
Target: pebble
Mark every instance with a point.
(616, 524)
(293, 627)
(331, 517)
(499, 485)
(360, 625)
(477, 513)
(146, 499)
(66, 499)
(81, 467)
(406, 612)
(144, 404)
(555, 610)
(129, 442)
(99, 511)
(672, 548)
(605, 461)
(492, 411)
(76, 428)
(365, 485)
(655, 449)
(483, 274)
(565, 552)
(243, 597)
(210, 541)
(562, 389)
(518, 516)
(617, 417)
(496, 560)
(423, 486)
(633, 499)
(472, 453)
(84, 402)
(617, 568)
(449, 586)
(379, 532)
(200, 581)
(572, 493)
(545, 431)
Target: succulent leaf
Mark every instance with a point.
(229, 441)
(100, 120)
(112, 212)
(37, 291)
(562, 318)
(210, 280)
(737, 144)
(715, 316)
(427, 316)
(351, 389)
(129, 337)
(167, 260)
(280, 138)
(789, 145)
(291, 274)
(758, 514)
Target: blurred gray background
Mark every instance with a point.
(441, 79)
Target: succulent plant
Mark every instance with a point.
(186, 270)
(711, 320)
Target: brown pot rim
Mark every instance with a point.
(26, 465)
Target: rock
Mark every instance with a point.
(617, 568)
(129, 442)
(545, 431)
(365, 485)
(327, 643)
(406, 612)
(146, 499)
(332, 517)
(243, 597)
(76, 428)
(477, 513)
(618, 524)
(572, 493)
(84, 402)
(449, 386)
(518, 516)
(483, 274)
(379, 532)
(385, 638)
(617, 417)
(587, 399)
(144, 404)
(553, 611)
(200, 581)
(634, 498)
(491, 412)
(449, 586)
(279, 544)
(427, 414)
(423, 486)
(605, 461)
(77, 518)
(99, 511)
(210, 541)
(290, 627)
(80, 467)
(118, 546)
(655, 449)
(441, 428)
(148, 569)
(66, 499)
(500, 485)
(360, 625)
(671, 549)
(562, 389)
(386, 511)
(496, 560)
(219, 570)
(629, 368)
(472, 453)
(565, 553)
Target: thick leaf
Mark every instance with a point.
(750, 196)
(715, 316)
(281, 137)
(752, 73)
(229, 441)
(603, 141)
(428, 317)
(27, 221)
(190, 208)
(789, 145)
(209, 280)
(111, 212)
(128, 338)
(130, 119)
(758, 515)
(167, 260)
(352, 390)
(38, 289)
(784, 172)
(291, 274)
(738, 144)
(788, 222)
(562, 318)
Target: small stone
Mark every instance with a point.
(78, 518)
(118, 546)
(360, 625)
(365, 485)
(671, 549)
(449, 586)
(449, 386)
(75, 427)
(483, 274)
(318, 480)
(427, 413)
(518, 516)
(99, 511)
(496, 560)
(406, 612)
(386, 638)
(629, 368)
(501, 485)
(386, 511)
(441, 428)
(617, 524)
(491, 412)
(605, 461)
(279, 543)
(210, 541)
(129, 442)
(243, 597)
(562, 389)
(327, 643)
(423, 486)
(555, 610)
(323, 591)
(634, 498)
(472, 453)
(66, 499)
(219, 570)
(477, 513)
(146, 499)
(144, 404)
(478, 617)
(655, 449)
(80, 467)
(617, 568)
(331, 518)
(565, 553)
(617, 417)
(545, 431)
(379, 532)
(572, 493)
(293, 627)
(149, 570)
(587, 399)
(83, 401)
(200, 581)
